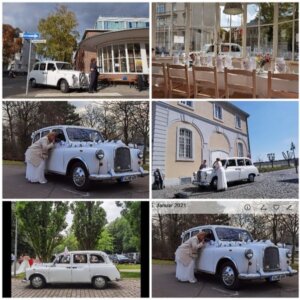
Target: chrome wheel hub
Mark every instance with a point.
(79, 176)
(99, 282)
(37, 282)
(228, 276)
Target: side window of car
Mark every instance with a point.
(64, 259)
(36, 137)
(42, 67)
(36, 67)
(248, 162)
(194, 232)
(96, 259)
(51, 67)
(80, 259)
(60, 136)
(186, 237)
(240, 162)
(44, 133)
(231, 163)
(209, 235)
(223, 161)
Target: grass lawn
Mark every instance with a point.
(270, 169)
(128, 267)
(13, 162)
(162, 262)
(20, 276)
(130, 275)
(146, 167)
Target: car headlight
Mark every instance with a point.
(248, 253)
(140, 155)
(288, 254)
(100, 154)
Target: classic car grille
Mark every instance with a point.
(271, 259)
(83, 80)
(122, 160)
(199, 176)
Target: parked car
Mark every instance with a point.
(74, 267)
(85, 156)
(134, 257)
(224, 49)
(236, 169)
(120, 259)
(59, 74)
(233, 255)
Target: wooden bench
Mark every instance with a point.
(114, 79)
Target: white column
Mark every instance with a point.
(275, 31)
(244, 29)
(127, 58)
(217, 28)
(144, 58)
(187, 28)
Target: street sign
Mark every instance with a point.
(38, 41)
(30, 35)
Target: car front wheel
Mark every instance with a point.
(214, 183)
(80, 176)
(99, 282)
(64, 86)
(251, 178)
(37, 281)
(229, 276)
(33, 83)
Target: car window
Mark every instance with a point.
(36, 137)
(64, 66)
(63, 259)
(248, 162)
(223, 161)
(43, 67)
(60, 135)
(44, 133)
(51, 67)
(240, 162)
(209, 235)
(186, 237)
(224, 48)
(231, 163)
(194, 232)
(36, 67)
(235, 48)
(96, 259)
(80, 259)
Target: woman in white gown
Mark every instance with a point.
(222, 181)
(36, 156)
(185, 257)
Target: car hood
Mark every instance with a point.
(37, 266)
(255, 245)
(207, 170)
(94, 145)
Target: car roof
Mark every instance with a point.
(236, 157)
(63, 126)
(84, 252)
(52, 61)
(211, 227)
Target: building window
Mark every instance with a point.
(189, 104)
(238, 123)
(161, 8)
(218, 112)
(185, 144)
(240, 149)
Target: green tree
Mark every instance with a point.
(88, 221)
(59, 31)
(69, 240)
(106, 241)
(41, 223)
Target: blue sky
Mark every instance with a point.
(273, 125)
(26, 15)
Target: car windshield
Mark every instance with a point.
(233, 234)
(84, 135)
(64, 66)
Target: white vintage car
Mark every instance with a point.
(92, 267)
(231, 254)
(236, 169)
(58, 74)
(84, 155)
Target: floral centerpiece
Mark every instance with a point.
(261, 60)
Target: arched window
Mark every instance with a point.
(185, 144)
(240, 149)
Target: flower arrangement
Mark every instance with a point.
(262, 59)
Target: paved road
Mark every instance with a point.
(129, 288)
(16, 186)
(277, 184)
(16, 88)
(164, 284)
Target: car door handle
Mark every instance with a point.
(68, 267)
(74, 267)
(44, 72)
(238, 169)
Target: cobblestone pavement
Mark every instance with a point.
(127, 288)
(277, 184)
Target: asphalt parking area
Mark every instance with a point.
(126, 288)
(15, 186)
(164, 284)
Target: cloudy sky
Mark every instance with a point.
(26, 15)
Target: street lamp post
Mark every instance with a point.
(16, 248)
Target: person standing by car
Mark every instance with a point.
(222, 181)
(203, 165)
(93, 76)
(35, 157)
(186, 255)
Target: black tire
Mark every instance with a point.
(33, 83)
(272, 282)
(37, 281)
(251, 177)
(229, 276)
(80, 177)
(99, 282)
(214, 183)
(64, 86)
(123, 182)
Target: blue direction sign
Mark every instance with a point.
(31, 35)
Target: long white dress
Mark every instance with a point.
(222, 181)
(185, 257)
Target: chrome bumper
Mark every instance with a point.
(113, 175)
(201, 183)
(262, 275)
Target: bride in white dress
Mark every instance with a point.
(186, 255)
(222, 181)
(36, 156)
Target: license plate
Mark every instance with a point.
(128, 178)
(277, 277)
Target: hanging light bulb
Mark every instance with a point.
(233, 9)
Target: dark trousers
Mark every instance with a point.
(93, 82)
